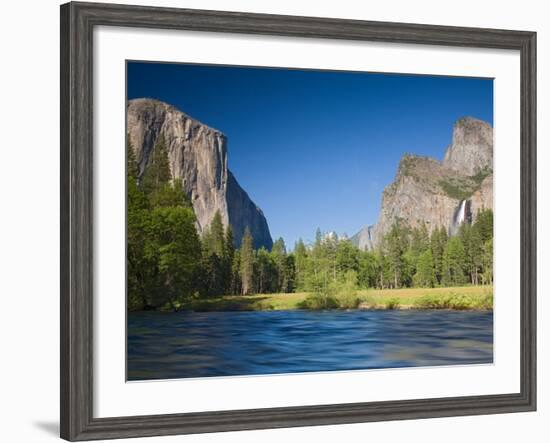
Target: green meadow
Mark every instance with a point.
(459, 298)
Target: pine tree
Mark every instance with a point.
(229, 255)
(484, 224)
(214, 258)
(173, 243)
(300, 263)
(321, 265)
(266, 275)
(217, 235)
(170, 194)
(425, 272)
(488, 262)
(278, 254)
(139, 268)
(367, 275)
(318, 237)
(236, 285)
(473, 249)
(347, 258)
(247, 263)
(313, 278)
(385, 274)
(131, 168)
(420, 240)
(212, 275)
(395, 244)
(137, 220)
(329, 251)
(454, 262)
(290, 273)
(438, 242)
(229, 243)
(157, 174)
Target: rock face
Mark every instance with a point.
(472, 148)
(364, 239)
(198, 156)
(242, 212)
(439, 193)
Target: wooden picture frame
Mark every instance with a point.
(77, 23)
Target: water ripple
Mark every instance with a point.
(180, 345)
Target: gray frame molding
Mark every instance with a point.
(77, 23)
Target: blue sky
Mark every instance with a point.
(316, 148)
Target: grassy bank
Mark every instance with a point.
(466, 297)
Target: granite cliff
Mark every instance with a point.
(198, 156)
(471, 150)
(445, 193)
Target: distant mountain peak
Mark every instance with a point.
(471, 149)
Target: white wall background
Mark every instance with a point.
(29, 221)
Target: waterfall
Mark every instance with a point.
(459, 217)
(460, 214)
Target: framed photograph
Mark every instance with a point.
(272, 221)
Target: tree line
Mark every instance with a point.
(169, 263)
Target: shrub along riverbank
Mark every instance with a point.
(459, 298)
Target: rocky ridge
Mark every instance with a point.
(428, 191)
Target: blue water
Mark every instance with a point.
(188, 344)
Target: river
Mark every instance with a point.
(189, 344)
